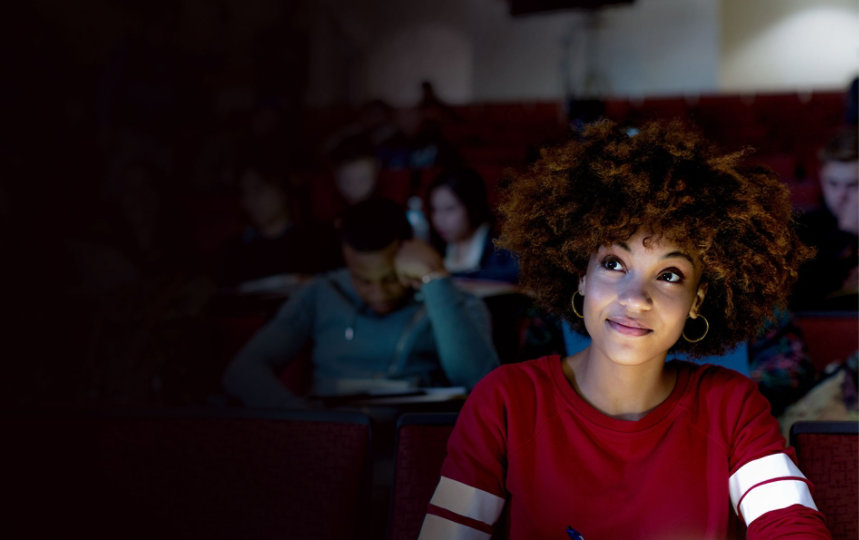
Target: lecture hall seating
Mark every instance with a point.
(185, 474)
(421, 447)
(828, 454)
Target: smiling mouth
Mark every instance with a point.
(628, 327)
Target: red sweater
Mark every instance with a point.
(527, 443)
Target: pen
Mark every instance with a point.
(574, 534)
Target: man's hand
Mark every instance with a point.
(416, 259)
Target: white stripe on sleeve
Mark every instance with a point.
(773, 496)
(467, 501)
(758, 471)
(439, 528)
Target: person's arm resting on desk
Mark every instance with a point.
(252, 376)
(460, 322)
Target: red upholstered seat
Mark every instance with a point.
(829, 336)
(828, 454)
(396, 184)
(176, 474)
(420, 450)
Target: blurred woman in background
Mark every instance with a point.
(462, 223)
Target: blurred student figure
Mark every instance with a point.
(374, 122)
(277, 240)
(831, 280)
(150, 340)
(140, 229)
(356, 172)
(462, 227)
(418, 142)
(778, 362)
(268, 131)
(354, 178)
(393, 315)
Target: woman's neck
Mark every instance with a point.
(461, 247)
(625, 392)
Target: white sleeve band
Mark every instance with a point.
(774, 496)
(758, 471)
(439, 528)
(467, 501)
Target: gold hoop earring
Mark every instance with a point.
(706, 330)
(573, 304)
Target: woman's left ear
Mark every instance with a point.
(699, 299)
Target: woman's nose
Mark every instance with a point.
(635, 296)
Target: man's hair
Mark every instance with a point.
(843, 147)
(373, 224)
(736, 218)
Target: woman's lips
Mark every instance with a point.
(628, 327)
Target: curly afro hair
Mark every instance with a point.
(735, 217)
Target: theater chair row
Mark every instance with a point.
(252, 474)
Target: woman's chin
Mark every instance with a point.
(632, 356)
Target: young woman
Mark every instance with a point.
(462, 227)
(646, 243)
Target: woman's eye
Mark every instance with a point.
(672, 277)
(612, 264)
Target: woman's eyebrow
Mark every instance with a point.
(679, 254)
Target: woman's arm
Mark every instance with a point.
(767, 489)
(470, 495)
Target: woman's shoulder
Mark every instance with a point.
(713, 383)
(710, 374)
(497, 263)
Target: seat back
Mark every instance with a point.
(231, 474)
(827, 454)
(829, 336)
(421, 446)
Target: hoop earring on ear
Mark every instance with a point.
(573, 304)
(706, 330)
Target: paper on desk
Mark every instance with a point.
(373, 387)
(423, 395)
(379, 390)
(483, 288)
